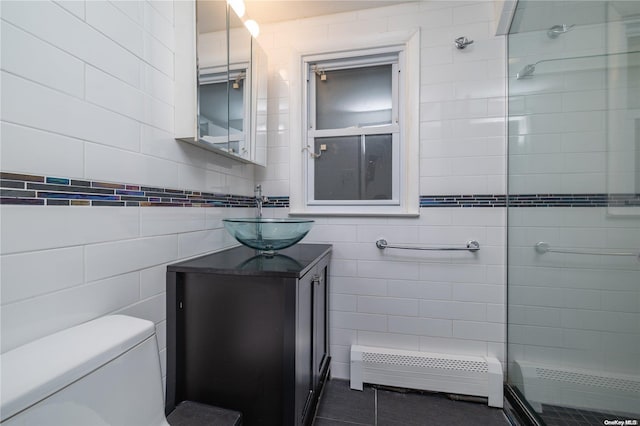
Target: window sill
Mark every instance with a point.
(353, 214)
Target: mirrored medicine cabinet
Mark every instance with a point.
(230, 100)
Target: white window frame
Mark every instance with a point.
(406, 46)
(320, 62)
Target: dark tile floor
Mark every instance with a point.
(341, 406)
(561, 416)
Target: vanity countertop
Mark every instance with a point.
(290, 262)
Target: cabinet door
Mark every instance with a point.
(320, 323)
(304, 342)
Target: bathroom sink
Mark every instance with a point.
(268, 235)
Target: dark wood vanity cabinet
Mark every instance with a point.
(312, 347)
(250, 333)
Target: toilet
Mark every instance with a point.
(103, 372)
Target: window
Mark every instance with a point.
(354, 132)
(359, 129)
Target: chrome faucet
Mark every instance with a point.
(259, 200)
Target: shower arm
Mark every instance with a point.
(530, 68)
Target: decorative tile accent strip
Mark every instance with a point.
(624, 200)
(17, 176)
(532, 200)
(59, 181)
(276, 202)
(490, 200)
(574, 200)
(16, 188)
(24, 201)
(24, 189)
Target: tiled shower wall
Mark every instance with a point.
(574, 311)
(572, 123)
(87, 94)
(430, 301)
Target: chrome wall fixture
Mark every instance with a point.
(556, 30)
(472, 246)
(462, 42)
(543, 248)
(526, 71)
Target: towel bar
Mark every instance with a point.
(472, 246)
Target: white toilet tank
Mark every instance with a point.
(103, 372)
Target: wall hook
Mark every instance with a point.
(462, 42)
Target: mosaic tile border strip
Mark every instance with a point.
(24, 189)
(574, 200)
(532, 200)
(16, 188)
(487, 200)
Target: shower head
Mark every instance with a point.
(556, 30)
(526, 71)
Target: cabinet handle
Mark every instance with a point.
(316, 279)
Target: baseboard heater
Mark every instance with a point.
(457, 374)
(576, 388)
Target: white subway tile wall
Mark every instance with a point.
(406, 299)
(430, 301)
(93, 100)
(104, 112)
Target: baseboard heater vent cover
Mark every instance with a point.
(459, 374)
(576, 388)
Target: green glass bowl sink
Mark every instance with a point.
(268, 235)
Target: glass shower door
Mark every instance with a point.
(574, 210)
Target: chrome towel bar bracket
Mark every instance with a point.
(472, 246)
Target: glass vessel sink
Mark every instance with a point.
(268, 235)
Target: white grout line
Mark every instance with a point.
(375, 406)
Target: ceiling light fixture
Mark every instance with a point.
(253, 27)
(237, 6)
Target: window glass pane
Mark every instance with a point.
(354, 97)
(337, 170)
(353, 168)
(377, 168)
(213, 109)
